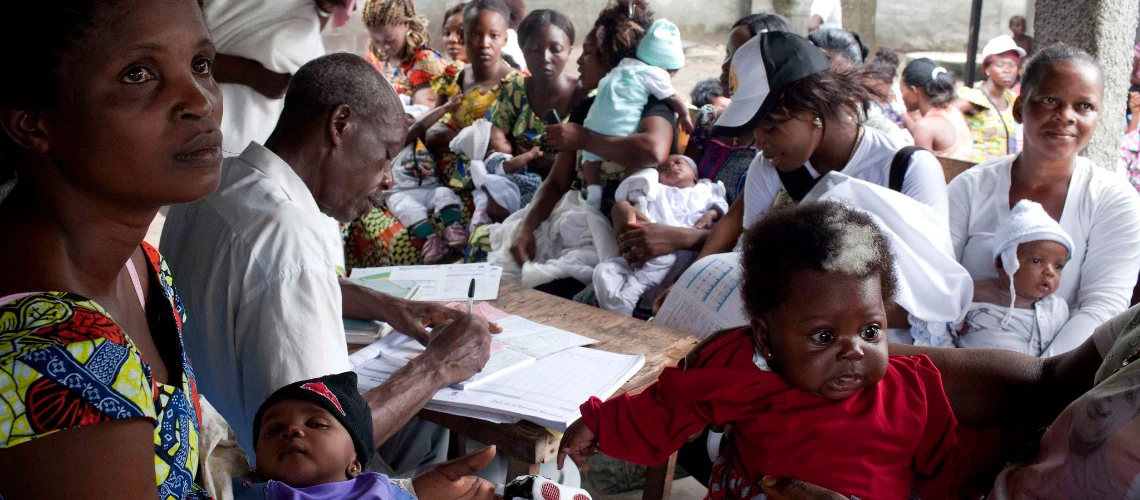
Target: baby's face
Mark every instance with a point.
(302, 445)
(495, 211)
(676, 172)
(1039, 268)
(828, 337)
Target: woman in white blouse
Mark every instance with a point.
(1059, 106)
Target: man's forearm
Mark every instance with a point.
(362, 302)
(397, 400)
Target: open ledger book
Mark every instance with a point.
(706, 298)
(540, 374)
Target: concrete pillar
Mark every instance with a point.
(859, 16)
(1106, 29)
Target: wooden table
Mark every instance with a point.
(526, 445)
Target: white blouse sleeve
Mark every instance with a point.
(1109, 271)
(925, 182)
(958, 199)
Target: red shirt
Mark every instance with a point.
(870, 445)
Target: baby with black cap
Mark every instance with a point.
(313, 440)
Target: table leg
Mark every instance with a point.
(516, 467)
(659, 480)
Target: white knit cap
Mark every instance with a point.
(1028, 221)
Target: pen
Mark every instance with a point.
(470, 295)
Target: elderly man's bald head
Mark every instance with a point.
(338, 79)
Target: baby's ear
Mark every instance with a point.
(354, 469)
(760, 334)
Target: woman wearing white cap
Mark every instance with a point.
(989, 107)
(802, 116)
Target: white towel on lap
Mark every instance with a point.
(932, 285)
(569, 244)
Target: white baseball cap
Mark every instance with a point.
(760, 70)
(1001, 45)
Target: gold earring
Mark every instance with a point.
(817, 122)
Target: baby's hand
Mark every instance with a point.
(707, 220)
(453, 103)
(579, 442)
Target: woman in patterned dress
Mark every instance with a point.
(378, 238)
(114, 114)
(546, 37)
(399, 49)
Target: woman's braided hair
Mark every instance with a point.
(378, 13)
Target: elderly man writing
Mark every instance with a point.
(256, 262)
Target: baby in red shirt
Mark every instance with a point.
(808, 391)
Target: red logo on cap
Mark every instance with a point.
(323, 390)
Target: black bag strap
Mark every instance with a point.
(797, 183)
(899, 165)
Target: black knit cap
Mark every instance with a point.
(339, 396)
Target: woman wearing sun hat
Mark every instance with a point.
(802, 115)
(989, 107)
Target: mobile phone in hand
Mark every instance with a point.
(551, 117)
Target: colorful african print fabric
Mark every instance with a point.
(378, 238)
(64, 364)
(1130, 157)
(993, 129)
(727, 163)
(424, 67)
(512, 114)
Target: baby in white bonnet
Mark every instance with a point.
(1019, 310)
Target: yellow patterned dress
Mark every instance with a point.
(64, 363)
(992, 129)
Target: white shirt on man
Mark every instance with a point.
(1101, 215)
(255, 265)
(870, 162)
(830, 11)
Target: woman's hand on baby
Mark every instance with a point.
(523, 250)
(645, 241)
(566, 136)
(579, 442)
(685, 122)
(454, 480)
(794, 489)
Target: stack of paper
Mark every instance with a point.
(706, 298)
(440, 283)
(536, 372)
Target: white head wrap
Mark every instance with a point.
(472, 142)
(1028, 221)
